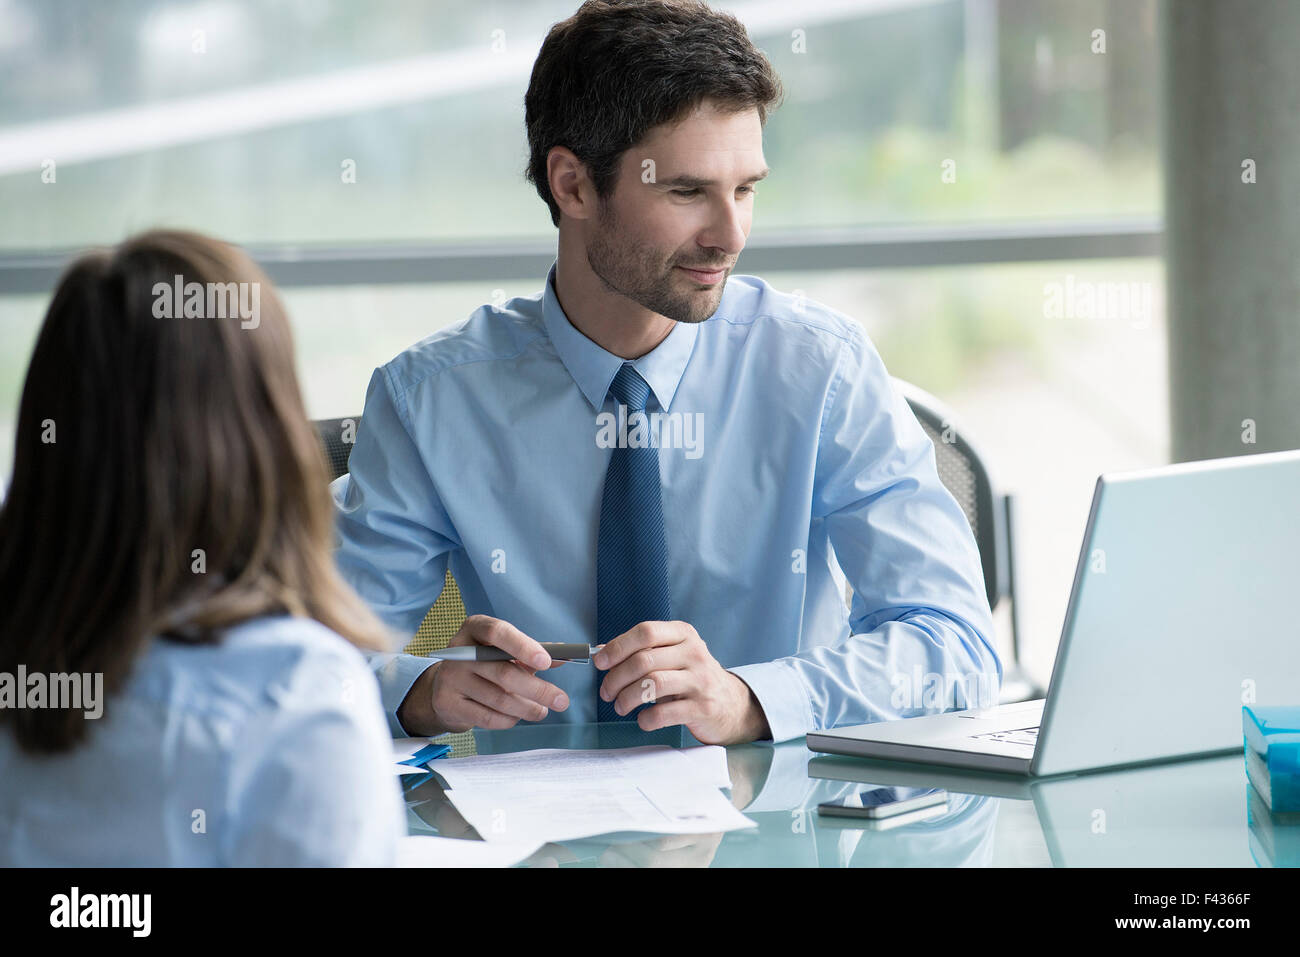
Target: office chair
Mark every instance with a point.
(991, 516)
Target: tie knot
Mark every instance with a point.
(629, 388)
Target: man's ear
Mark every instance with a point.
(571, 186)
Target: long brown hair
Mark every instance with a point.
(166, 480)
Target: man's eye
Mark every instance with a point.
(693, 191)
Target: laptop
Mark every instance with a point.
(1182, 611)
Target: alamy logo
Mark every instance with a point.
(84, 692)
(934, 692)
(1083, 299)
(651, 430)
(102, 910)
(213, 300)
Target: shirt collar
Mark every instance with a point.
(593, 368)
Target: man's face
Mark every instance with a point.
(692, 208)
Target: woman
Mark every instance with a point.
(167, 533)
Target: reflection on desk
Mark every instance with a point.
(770, 784)
(1174, 814)
(1178, 814)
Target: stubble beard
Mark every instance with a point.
(639, 274)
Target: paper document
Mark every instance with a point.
(421, 850)
(705, 766)
(557, 795)
(709, 764)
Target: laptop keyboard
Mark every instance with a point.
(1027, 736)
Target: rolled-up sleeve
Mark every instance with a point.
(921, 632)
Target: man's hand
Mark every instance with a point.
(459, 695)
(667, 663)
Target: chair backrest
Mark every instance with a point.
(336, 438)
(964, 474)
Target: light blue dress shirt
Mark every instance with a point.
(267, 749)
(783, 448)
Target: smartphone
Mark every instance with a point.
(884, 802)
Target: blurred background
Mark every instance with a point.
(951, 173)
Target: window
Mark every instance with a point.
(338, 125)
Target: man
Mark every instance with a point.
(652, 456)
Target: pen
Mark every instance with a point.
(559, 651)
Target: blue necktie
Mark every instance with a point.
(631, 555)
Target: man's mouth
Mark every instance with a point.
(705, 276)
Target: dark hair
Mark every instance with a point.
(170, 435)
(615, 70)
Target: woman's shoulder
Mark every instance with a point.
(292, 641)
(279, 661)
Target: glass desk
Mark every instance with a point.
(1189, 813)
